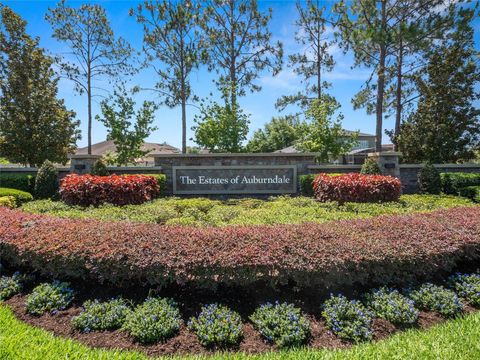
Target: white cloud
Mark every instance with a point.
(286, 79)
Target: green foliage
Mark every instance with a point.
(34, 124)
(429, 180)
(8, 201)
(156, 319)
(19, 196)
(117, 113)
(282, 324)
(348, 319)
(390, 305)
(467, 286)
(49, 298)
(11, 285)
(276, 210)
(437, 298)
(95, 53)
(471, 192)
(162, 182)
(98, 316)
(279, 133)
(453, 182)
(99, 168)
(221, 128)
(445, 127)
(324, 135)
(218, 326)
(18, 181)
(370, 167)
(306, 184)
(46, 182)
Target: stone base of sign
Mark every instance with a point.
(82, 164)
(388, 161)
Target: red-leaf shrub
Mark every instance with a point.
(94, 190)
(378, 251)
(356, 188)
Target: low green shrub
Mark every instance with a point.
(217, 326)
(8, 201)
(370, 167)
(306, 184)
(348, 319)
(467, 287)
(46, 182)
(471, 192)
(49, 298)
(428, 179)
(10, 285)
(453, 182)
(155, 319)
(19, 195)
(437, 298)
(24, 182)
(390, 305)
(98, 315)
(99, 168)
(282, 324)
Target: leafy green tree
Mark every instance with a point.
(117, 114)
(370, 167)
(325, 135)
(172, 37)
(221, 128)
(239, 46)
(95, 53)
(446, 126)
(34, 124)
(315, 59)
(46, 181)
(279, 133)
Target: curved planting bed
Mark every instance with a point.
(383, 250)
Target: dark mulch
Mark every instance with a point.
(186, 342)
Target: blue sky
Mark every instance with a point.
(345, 81)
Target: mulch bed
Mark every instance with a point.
(186, 342)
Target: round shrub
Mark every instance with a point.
(217, 325)
(467, 287)
(370, 167)
(46, 182)
(10, 285)
(282, 324)
(99, 168)
(437, 298)
(98, 315)
(392, 306)
(156, 319)
(8, 201)
(356, 188)
(348, 319)
(19, 196)
(429, 181)
(49, 298)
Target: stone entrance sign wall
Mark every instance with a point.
(267, 179)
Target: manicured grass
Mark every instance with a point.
(277, 210)
(455, 339)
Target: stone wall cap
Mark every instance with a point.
(134, 168)
(233, 155)
(332, 166)
(446, 166)
(385, 153)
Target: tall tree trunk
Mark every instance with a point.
(381, 84)
(89, 96)
(184, 124)
(398, 106)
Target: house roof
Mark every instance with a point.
(108, 146)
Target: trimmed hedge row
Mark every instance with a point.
(381, 250)
(19, 195)
(21, 182)
(452, 183)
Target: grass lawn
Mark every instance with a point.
(455, 339)
(277, 210)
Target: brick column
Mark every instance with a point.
(82, 164)
(388, 161)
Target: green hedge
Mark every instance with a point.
(471, 192)
(19, 195)
(453, 182)
(22, 182)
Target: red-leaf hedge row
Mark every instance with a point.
(94, 190)
(381, 250)
(357, 188)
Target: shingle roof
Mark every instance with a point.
(108, 146)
